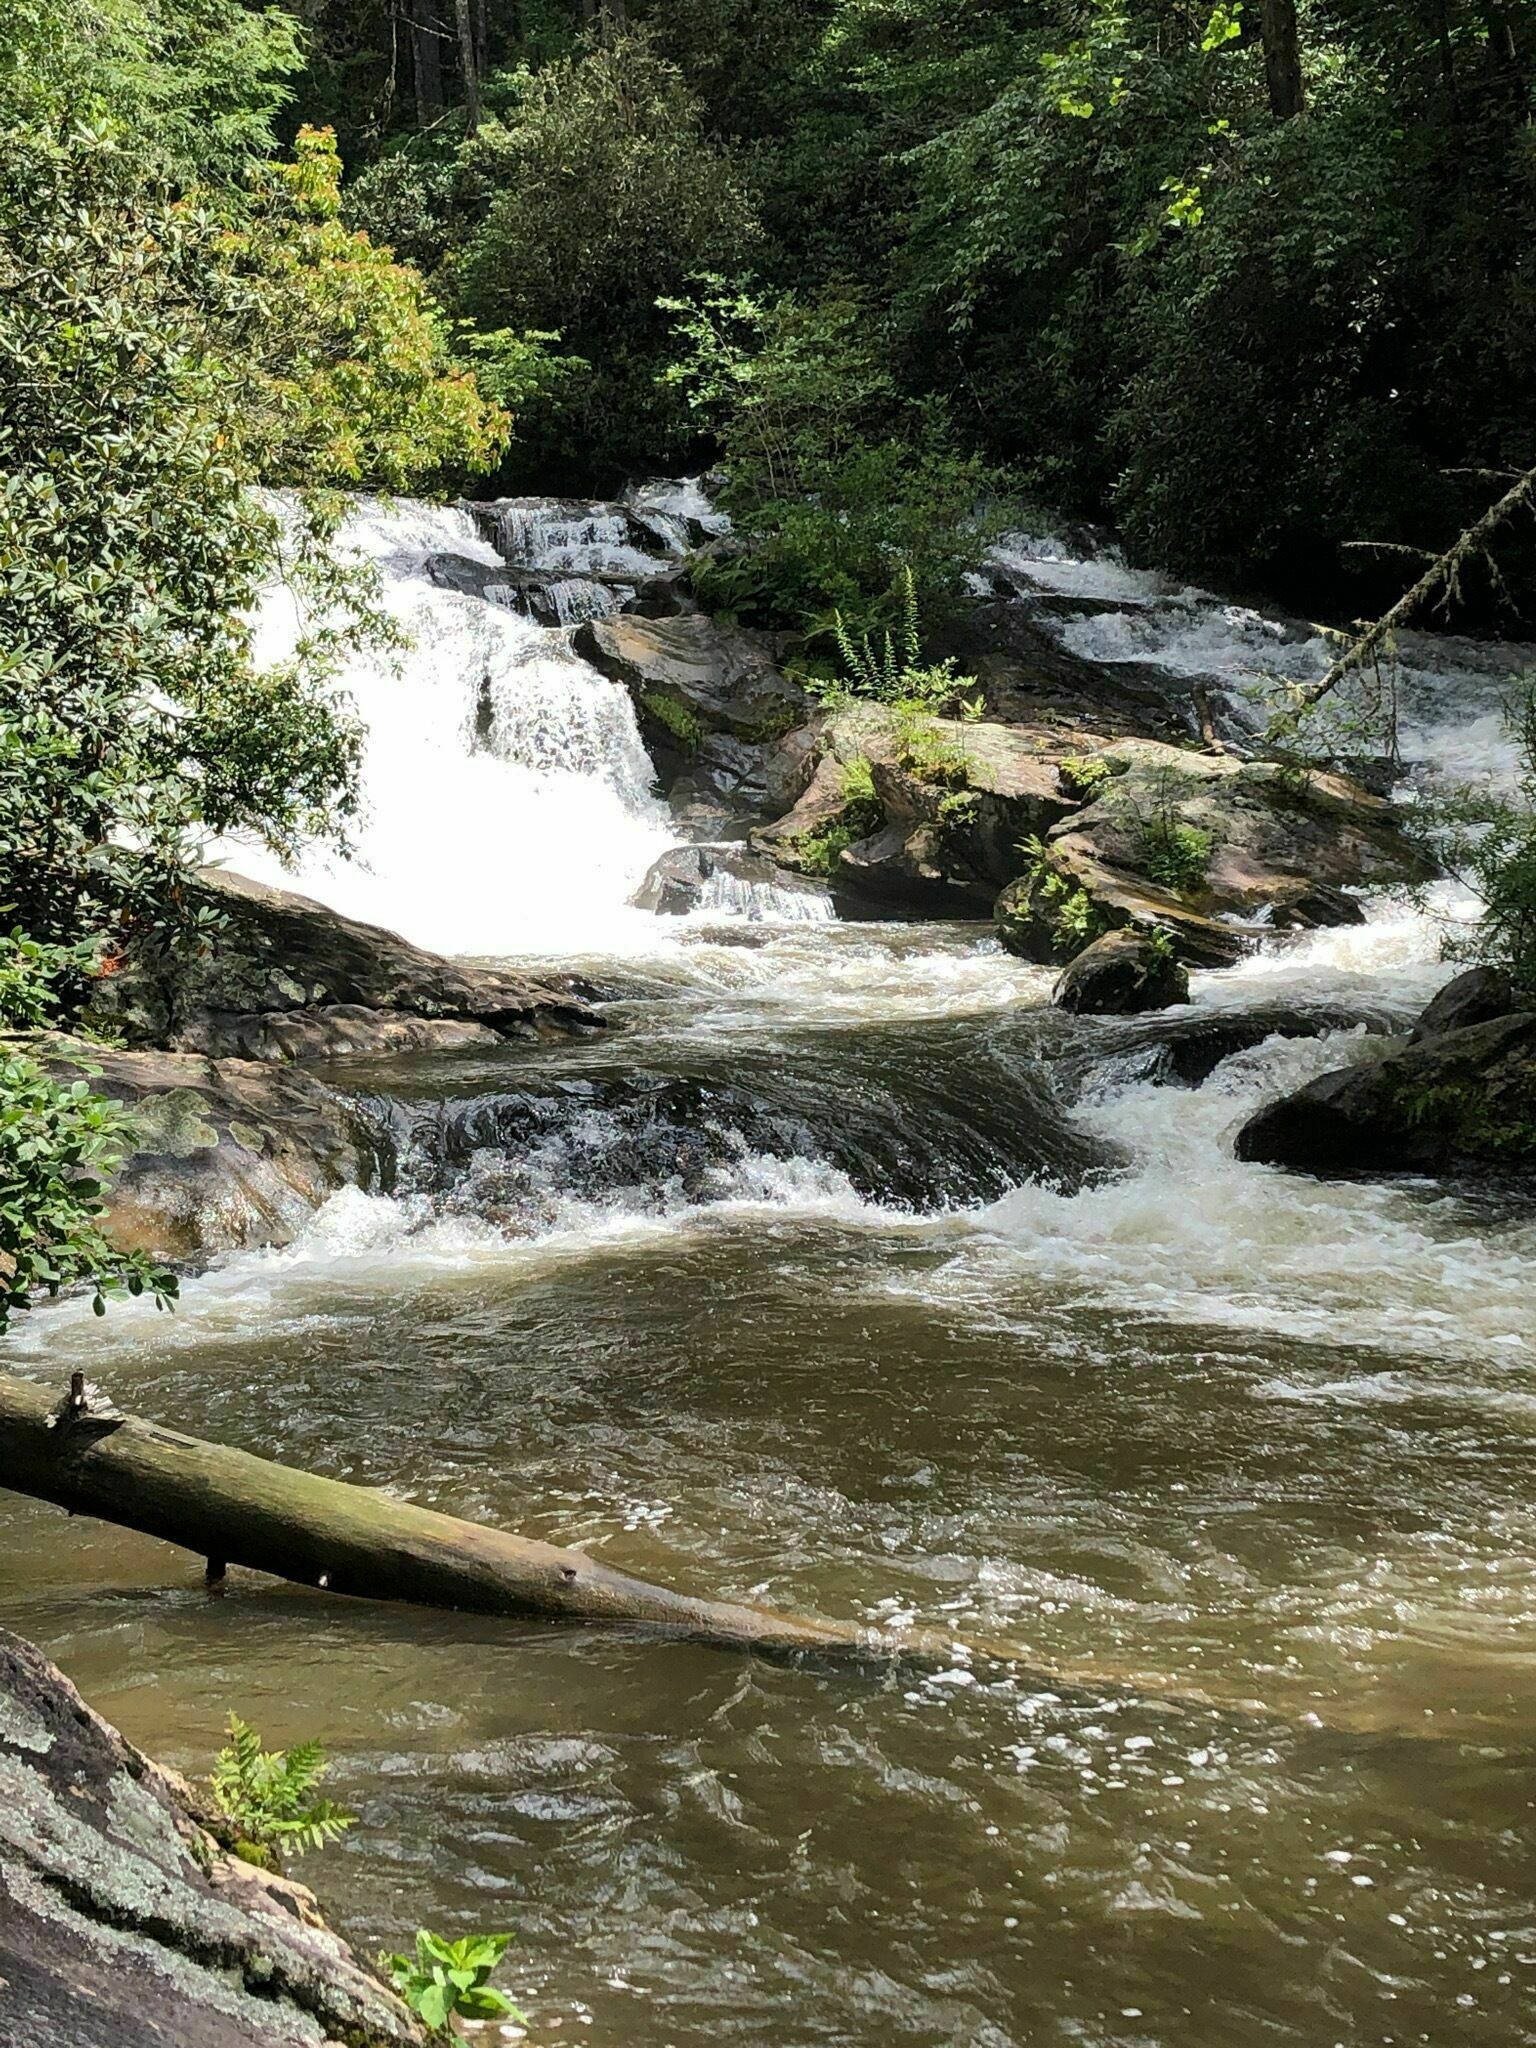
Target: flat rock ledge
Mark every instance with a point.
(123, 1924)
(281, 977)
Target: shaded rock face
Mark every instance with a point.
(285, 978)
(1122, 973)
(692, 676)
(1471, 998)
(714, 710)
(122, 1923)
(231, 1154)
(689, 878)
(920, 820)
(1446, 1100)
(1213, 849)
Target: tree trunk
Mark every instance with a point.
(468, 64)
(1282, 57)
(231, 1507)
(427, 61)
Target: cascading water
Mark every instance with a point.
(847, 1272)
(509, 803)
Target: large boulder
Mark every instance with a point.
(277, 976)
(1213, 849)
(1452, 1099)
(694, 676)
(923, 816)
(1121, 974)
(125, 1924)
(229, 1154)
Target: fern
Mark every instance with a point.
(270, 1795)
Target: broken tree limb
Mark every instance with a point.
(1441, 574)
(230, 1506)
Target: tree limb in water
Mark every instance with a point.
(1441, 574)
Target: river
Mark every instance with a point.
(845, 1274)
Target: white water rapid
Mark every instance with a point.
(509, 805)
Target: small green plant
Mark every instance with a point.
(858, 781)
(447, 1979)
(1071, 918)
(269, 1795)
(1084, 775)
(1175, 854)
(925, 750)
(888, 668)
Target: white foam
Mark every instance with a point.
(509, 801)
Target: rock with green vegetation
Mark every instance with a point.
(1447, 1100)
(276, 976)
(693, 676)
(1208, 847)
(125, 1924)
(1121, 974)
(229, 1154)
(918, 815)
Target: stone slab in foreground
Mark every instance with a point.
(122, 1923)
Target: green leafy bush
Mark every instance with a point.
(447, 1978)
(852, 501)
(1175, 854)
(58, 1144)
(597, 192)
(269, 1795)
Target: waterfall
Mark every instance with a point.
(508, 798)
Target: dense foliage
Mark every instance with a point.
(182, 319)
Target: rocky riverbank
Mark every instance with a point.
(126, 1923)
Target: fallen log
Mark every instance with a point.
(233, 1508)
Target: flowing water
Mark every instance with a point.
(845, 1274)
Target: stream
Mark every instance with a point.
(845, 1274)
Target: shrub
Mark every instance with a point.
(58, 1143)
(852, 501)
(597, 193)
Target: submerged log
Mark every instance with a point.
(232, 1508)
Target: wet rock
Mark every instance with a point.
(694, 676)
(273, 957)
(1472, 998)
(1121, 973)
(1457, 1099)
(1214, 849)
(689, 878)
(921, 817)
(123, 1924)
(230, 1154)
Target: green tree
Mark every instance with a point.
(351, 378)
(597, 192)
(849, 496)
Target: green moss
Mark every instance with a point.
(669, 710)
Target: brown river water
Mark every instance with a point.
(844, 1274)
(957, 1317)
